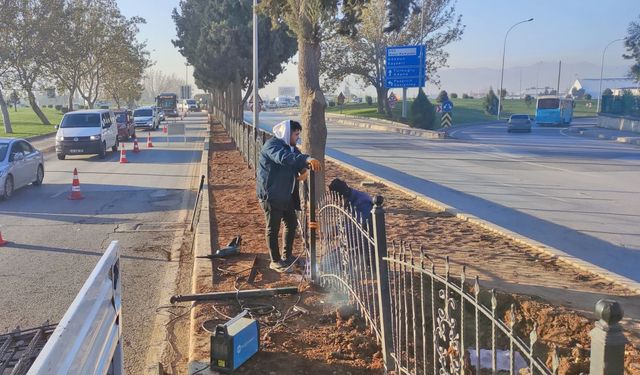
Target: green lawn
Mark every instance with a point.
(26, 124)
(465, 110)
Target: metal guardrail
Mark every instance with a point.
(88, 339)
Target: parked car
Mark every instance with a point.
(146, 117)
(87, 132)
(126, 127)
(520, 123)
(21, 164)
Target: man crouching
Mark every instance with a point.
(281, 165)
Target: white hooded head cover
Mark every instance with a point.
(282, 130)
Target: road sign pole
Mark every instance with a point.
(404, 102)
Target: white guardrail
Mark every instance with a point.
(88, 339)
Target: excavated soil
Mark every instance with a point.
(326, 340)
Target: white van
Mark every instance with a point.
(285, 102)
(87, 132)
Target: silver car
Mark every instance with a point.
(20, 164)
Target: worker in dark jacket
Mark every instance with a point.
(359, 200)
(280, 166)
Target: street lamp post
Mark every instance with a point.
(504, 46)
(256, 103)
(602, 70)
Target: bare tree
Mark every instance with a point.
(156, 82)
(364, 55)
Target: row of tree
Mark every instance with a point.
(333, 39)
(76, 46)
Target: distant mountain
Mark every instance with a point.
(545, 74)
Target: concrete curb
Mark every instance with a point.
(201, 246)
(390, 127)
(622, 281)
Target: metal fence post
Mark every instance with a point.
(313, 227)
(607, 340)
(382, 273)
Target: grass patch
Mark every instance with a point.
(26, 124)
(465, 111)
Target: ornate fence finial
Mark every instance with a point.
(607, 339)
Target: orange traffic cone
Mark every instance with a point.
(75, 187)
(149, 143)
(136, 148)
(2, 240)
(123, 155)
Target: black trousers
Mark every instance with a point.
(273, 217)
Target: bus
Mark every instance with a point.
(552, 110)
(169, 104)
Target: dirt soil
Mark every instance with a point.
(328, 341)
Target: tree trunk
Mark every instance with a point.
(312, 103)
(382, 98)
(70, 105)
(32, 101)
(5, 115)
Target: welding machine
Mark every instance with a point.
(234, 342)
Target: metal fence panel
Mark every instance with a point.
(88, 338)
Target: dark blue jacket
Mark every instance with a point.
(277, 171)
(361, 202)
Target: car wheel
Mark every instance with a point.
(8, 187)
(39, 176)
(103, 151)
(61, 156)
(114, 148)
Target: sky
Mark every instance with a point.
(574, 31)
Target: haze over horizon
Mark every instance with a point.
(572, 31)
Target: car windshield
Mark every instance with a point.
(3, 150)
(142, 113)
(81, 120)
(520, 117)
(121, 117)
(191, 101)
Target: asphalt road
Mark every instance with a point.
(56, 242)
(575, 194)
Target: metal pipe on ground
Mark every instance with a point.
(242, 293)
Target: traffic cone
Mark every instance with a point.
(164, 129)
(123, 155)
(75, 187)
(136, 148)
(149, 143)
(2, 240)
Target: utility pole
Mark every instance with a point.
(256, 83)
(504, 47)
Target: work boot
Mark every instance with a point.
(278, 266)
(289, 260)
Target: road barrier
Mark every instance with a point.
(176, 129)
(88, 339)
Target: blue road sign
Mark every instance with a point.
(405, 66)
(447, 106)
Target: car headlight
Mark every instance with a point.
(59, 138)
(95, 137)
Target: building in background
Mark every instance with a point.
(288, 91)
(591, 86)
